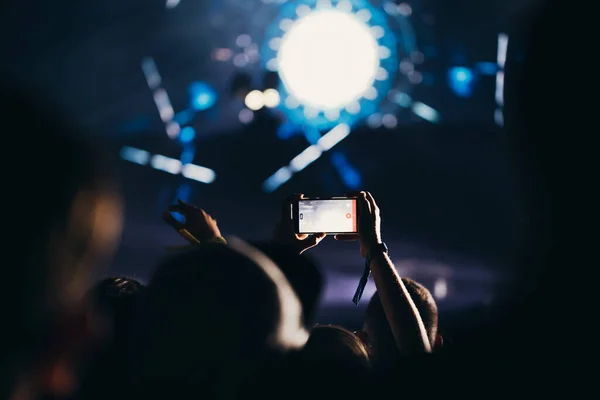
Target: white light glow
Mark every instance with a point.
(198, 173)
(440, 289)
(328, 59)
(271, 98)
(255, 100)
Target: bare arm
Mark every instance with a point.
(402, 314)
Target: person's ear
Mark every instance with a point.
(438, 343)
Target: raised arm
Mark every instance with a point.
(402, 314)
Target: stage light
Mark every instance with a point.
(336, 60)
(202, 96)
(271, 98)
(167, 164)
(246, 116)
(255, 100)
(440, 289)
(187, 135)
(460, 80)
(328, 59)
(307, 157)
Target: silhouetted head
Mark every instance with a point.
(376, 329)
(211, 316)
(63, 221)
(336, 346)
(303, 274)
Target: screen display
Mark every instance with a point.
(327, 216)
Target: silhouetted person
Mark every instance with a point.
(331, 346)
(116, 299)
(63, 221)
(211, 318)
(377, 333)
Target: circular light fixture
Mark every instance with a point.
(336, 59)
(255, 100)
(328, 59)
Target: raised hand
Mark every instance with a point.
(198, 222)
(284, 231)
(369, 223)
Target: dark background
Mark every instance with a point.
(450, 205)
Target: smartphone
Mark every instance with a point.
(332, 215)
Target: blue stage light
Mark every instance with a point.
(347, 172)
(202, 96)
(461, 81)
(350, 32)
(187, 134)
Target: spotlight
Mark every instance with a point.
(255, 100)
(336, 60)
(461, 81)
(202, 96)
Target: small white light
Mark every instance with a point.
(291, 102)
(271, 98)
(353, 108)
(332, 115)
(243, 41)
(440, 289)
(364, 15)
(371, 94)
(384, 52)
(382, 74)
(377, 31)
(255, 100)
(389, 121)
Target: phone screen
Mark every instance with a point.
(327, 216)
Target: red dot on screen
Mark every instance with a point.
(348, 215)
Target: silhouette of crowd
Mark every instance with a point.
(225, 318)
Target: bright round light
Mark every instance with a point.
(271, 98)
(328, 59)
(255, 100)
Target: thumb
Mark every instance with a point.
(313, 240)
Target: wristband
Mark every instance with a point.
(380, 247)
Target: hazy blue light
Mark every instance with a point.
(460, 80)
(202, 96)
(187, 134)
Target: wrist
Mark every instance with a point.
(375, 250)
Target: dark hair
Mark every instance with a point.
(303, 274)
(382, 346)
(210, 314)
(332, 344)
(58, 167)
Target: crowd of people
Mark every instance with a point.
(226, 318)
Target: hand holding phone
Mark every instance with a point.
(199, 226)
(369, 223)
(285, 232)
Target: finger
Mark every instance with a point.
(363, 204)
(347, 237)
(371, 200)
(313, 240)
(169, 219)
